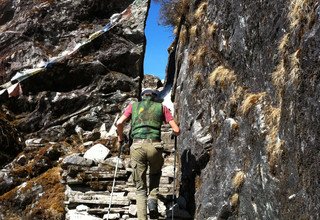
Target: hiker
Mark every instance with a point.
(146, 150)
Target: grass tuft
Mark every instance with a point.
(283, 43)
(238, 180)
(274, 144)
(234, 200)
(295, 67)
(183, 35)
(193, 31)
(278, 75)
(301, 13)
(201, 11)
(223, 76)
(197, 78)
(250, 101)
(212, 28)
(200, 54)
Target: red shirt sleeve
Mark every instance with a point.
(128, 111)
(167, 114)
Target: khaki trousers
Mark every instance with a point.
(146, 154)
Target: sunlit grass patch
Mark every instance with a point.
(238, 180)
(250, 101)
(222, 76)
(201, 10)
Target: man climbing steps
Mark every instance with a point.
(146, 117)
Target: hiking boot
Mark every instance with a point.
(153, 208)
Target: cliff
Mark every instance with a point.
(247, 98)
(67, 68)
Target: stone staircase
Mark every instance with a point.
(89, 185)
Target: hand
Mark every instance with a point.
(120, 143)
(173, 135)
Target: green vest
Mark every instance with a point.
(146, 120)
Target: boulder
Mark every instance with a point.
(97, 153)
(76, 159)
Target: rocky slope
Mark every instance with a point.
(247, 96)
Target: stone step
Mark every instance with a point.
(118, 199)
(103, 211)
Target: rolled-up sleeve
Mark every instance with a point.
(128, 111)
(167, 114)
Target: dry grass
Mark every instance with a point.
(274, 153)
(274, 144)
(198, 182)
(234, 200)
(197, 78)
(201, 11)
(183, 35)
(172, 11)
(237, 95)
(50, 204)
(250, 100)
(191, 59)
(278, 75)
(200, 54)
(223, 76)
(238, 180)
(301, 12)
(283, 43)
(193, 31)
(273, 116)
(212, 28)
(175, 31)
(295, 67)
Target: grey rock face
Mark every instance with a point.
(76, 65)
(248, 78)
(86, 87)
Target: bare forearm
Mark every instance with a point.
(175, 127)
(120, 126)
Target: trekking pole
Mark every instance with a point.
(114, 181)
(174, 174)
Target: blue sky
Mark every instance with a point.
(159, 39)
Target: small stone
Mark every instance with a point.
(133, 210)
(88, 144)
(232, 123)
(111, 216)
(82, 208)
(75, 215)
(53, 153)
(22, 160)
(35, 142)
(75, 159)
(168, 171)
(204, 140)
(103, 131)
(97, 153)
(91, 136)
(113, 162)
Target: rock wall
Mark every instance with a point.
(67, 68)
(247, 99)
(79, 74)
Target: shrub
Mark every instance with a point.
(171, 11)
